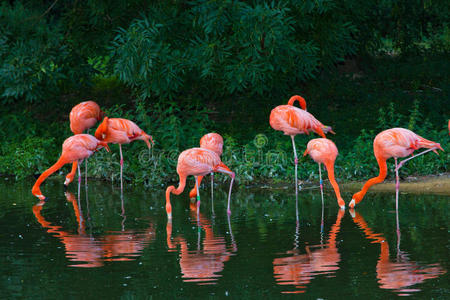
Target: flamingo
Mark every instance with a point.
(292, 121)
(121, 131)
(74, 148)
(214, 142)
(197, 162)
(83, 116)
(394, 142)
(325, 151)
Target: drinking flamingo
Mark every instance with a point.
(83, 116)
(394, 142)
(292, 121)
(324, 151)
(74, 148)
(214, 142)
(121, 131)
(197, 162)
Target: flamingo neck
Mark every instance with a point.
(176, 191)
(330, 171)
(61, 162)
(300, 100)
(375, 180)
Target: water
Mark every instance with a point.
(103, 245)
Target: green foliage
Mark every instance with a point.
(25, 157)
(226, 47)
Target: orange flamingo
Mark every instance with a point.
(324, 151)
(121, 131)
(202, 265)
(197, 162)
(74, 148)
(402, 273)
(214, 142)
(292, 121)
(299, 269)
(83, 116)
(394, 142)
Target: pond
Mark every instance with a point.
(97, 243)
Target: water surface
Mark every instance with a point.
(97, 243)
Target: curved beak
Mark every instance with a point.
(105, 145)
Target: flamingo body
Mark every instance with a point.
(212, 141)
(394, 142)
(74, 148)
(196, 162)
(292, 121)
(121, 131)
(325, 151)
(84, 116)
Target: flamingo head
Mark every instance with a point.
(357, 197)
(327, 129)
(102, 130)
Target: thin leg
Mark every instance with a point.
(296, 163)
(222, 170)
(79, 171)
(198, 198)
(414, 156)
(121, 168)
(321, 182)
(86, 169)
(80, 223)
(397, 184)
(212, 192)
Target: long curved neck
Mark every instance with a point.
(380, 178)
(300, 100)
(330, 171)
(61, 162)
(176, 191)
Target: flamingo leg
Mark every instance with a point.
(198, 198)
(86, 169)
(414, 156)
(222, 170)
(79, 171)
(121, 168)
(124, 217)
(296, 163)
(80, 221)
(397, 184)
(212, 192)
(321, 182)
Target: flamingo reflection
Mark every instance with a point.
(88, 251)
(399, 275)
(299, 269)
(203, 264)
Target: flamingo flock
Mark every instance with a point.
(295, 269)
(198, 162)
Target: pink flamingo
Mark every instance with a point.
(197, 162)
(83, 116)
(214, 142)
(121, 131)
(394, 142)
(292, 121)
(325, 151)
(75, 148)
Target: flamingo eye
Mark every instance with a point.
(103, 136)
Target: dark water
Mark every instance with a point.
(103, 246)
